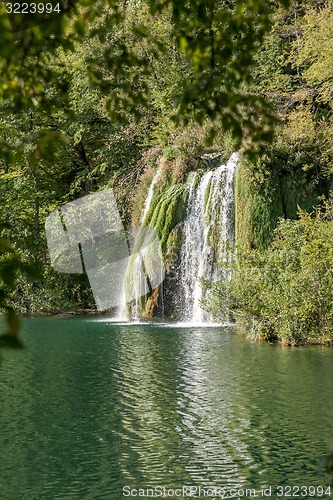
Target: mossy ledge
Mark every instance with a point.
(167, 211)
(264, 196)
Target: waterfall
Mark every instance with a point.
(207, 232)
(194, 240)
(208, 228)
(149, 197)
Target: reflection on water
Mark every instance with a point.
(90, 407)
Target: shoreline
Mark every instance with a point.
(239, 329)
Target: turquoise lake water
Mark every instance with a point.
(91, 409)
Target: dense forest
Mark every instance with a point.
(101, 95)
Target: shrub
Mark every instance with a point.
(286, 291)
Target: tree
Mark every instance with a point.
(115, 54)
(219, 39)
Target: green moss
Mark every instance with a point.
(206, 199)
(266, 210)
(266, 192)
(169, 211)
(173, 246)
(159, 215)
(214, 240)
(153, 204)
(166, 211)
(242, 209)
(196, 180)
(257, 207)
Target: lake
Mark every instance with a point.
(92, 409)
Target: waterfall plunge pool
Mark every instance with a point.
(90, 407)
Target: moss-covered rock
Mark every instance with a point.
(168, 212)
(173, 246)
(167, 209)
(152, 305)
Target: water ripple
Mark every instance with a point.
(90, 407)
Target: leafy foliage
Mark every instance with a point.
(294, 71)
(10, 264)
(286, 291)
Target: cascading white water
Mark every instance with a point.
(192, 248)
(137, 265)
(208, 227)
(149, 197)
